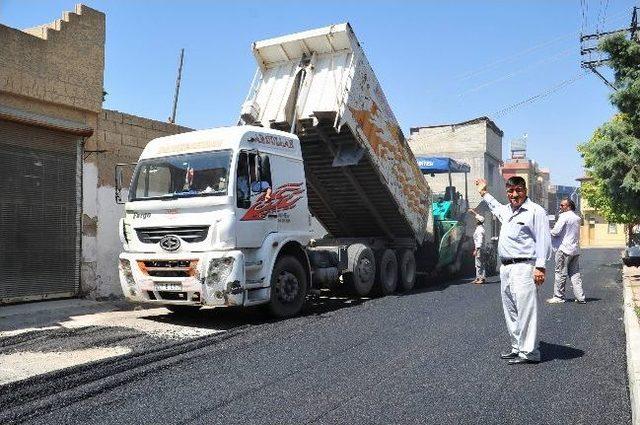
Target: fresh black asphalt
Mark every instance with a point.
(431, 356)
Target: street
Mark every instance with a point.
(430, 356)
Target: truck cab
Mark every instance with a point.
(211, 215)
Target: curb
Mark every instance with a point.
(632, 332)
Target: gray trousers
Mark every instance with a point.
(568, 265)
(480, 272)
(520, 306)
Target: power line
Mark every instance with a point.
(540, 95)
(519, 71)
(586, 49)
(515, 106)
(509, 58)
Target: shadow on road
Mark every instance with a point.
(551, 352)
(214, 318)
(231, 317)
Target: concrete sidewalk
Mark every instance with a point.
(631, 281)
(48, 336)
(26, 316)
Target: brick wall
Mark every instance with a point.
(61, 62)
(124, 136)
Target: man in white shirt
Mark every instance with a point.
(524, 245)
(478, 240)
(566, 238)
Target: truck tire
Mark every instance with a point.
(183, 310)
(362, 268)
(288, 287)
(386, 273)
(406, 270)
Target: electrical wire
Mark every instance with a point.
(515, 106)
(510, 58)
(551, 59)
(540, 95)
(513, 57)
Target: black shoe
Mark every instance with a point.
(521, 360)
(580, 301)
(509, 355)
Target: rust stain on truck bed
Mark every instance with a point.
(394, 152)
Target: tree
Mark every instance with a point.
(612, 155)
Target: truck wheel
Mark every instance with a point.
(182, 310)
(386, 273)
(288, 287)
(406, 269)
(362, 265)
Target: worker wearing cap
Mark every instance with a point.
(478, 241)
(524, 245)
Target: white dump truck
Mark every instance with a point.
(222, 217)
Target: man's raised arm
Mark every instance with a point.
(492, 203)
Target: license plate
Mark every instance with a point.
(168, 287)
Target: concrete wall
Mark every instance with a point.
(123, 136)
(476, 143)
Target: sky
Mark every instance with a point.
(439, 62)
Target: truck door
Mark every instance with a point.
(256, 217)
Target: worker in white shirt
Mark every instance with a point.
(478, 241)
(524, 245)
(566, 238)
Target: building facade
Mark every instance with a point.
(597, 232)
(537, 179)
(478, 143)
(58, 149)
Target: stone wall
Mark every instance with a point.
(61, 62)
(122, 137)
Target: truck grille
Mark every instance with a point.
(187, 233)
(168, 268)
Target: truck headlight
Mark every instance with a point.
(125, 267)
(219, 270)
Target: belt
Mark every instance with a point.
(506, 261)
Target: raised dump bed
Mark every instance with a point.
(362, 178)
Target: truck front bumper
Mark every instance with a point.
(213, 278)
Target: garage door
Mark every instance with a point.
(39, 213)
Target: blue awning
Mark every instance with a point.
(441, 164)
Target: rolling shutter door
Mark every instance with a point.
(39, 213)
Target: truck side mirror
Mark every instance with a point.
(119, 179)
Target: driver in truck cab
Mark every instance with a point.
(248, 182)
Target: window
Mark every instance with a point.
(253, 177)
(179, 176)
(612, 229)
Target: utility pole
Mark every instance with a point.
(172, 119)
(589, 45)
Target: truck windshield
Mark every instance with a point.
(196, 174)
